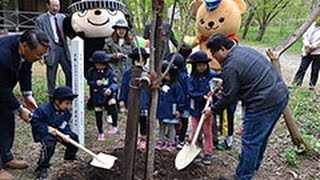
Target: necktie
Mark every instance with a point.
(60, 39)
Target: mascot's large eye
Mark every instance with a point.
(221, 20)
(112, 12)
(82, 13)
(201, 21)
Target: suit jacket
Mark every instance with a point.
(12, 70)
(43, 23)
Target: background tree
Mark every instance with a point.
(266, 11)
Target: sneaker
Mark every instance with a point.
(113, 130)
(41, 174)
(109, 119)
(71, 158)
(207, 159)
(159, 145)
(142, 143)
(197, 159)
(170, 146)
(180, 145)
(101, 137)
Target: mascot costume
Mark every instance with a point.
(213, 16)
(92, 20)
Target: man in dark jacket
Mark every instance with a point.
(17, 53)
(250, 77)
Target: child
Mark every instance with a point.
(102, 80)
(145, 94)
(169, 107)
(183, 79)
(198, 90)
(57, 115)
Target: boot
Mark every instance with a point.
(16, 164)
(5, 175)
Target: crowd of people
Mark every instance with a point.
(246, 75)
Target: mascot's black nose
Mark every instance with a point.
(211, 24)
(97, 12)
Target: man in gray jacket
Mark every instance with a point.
(249, 76)
(51, 23)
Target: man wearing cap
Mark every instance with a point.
(55, 114)
(249, 76)
(17, 53)
(51, 23)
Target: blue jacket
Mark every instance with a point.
(46, 115)
(184, 81)
(110, 81)
(12, 70)
(169, 102)
(124, 91)
(199, 87)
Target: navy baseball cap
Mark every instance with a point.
(62, 93)
(212, 4)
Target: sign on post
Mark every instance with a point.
(77, 60)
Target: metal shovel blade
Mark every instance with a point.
(102, 160)
(186, 155)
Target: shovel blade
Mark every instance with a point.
(103, 161)
(186, 155)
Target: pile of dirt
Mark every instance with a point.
(164, 169)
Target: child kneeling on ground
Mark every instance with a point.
(55, 114)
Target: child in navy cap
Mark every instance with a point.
(103, 82)
(170, 107)
(145, 93)
(57, 115)
(183, 78)
(198, 90)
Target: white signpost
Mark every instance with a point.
(77, 60)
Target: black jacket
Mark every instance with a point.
(250, 77)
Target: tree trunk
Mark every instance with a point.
(262, 29)
(155, 63)
(248, 22)
(274, 55)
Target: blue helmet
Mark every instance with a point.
(100, 57)
(178, 61)
(199, 57)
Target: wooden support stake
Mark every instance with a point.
(132, 124)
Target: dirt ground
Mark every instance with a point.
(274, 165)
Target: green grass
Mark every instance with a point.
(273, 37)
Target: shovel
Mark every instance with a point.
(189, 151)
(100, 160)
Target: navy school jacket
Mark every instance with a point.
(46, 115)
(124, 91)
(109, 77)
(170, 101)
(199, 87)
(184, 81)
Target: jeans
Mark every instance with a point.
(257, 127)
(305, 62)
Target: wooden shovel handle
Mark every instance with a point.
(54, 131)
(202, 118)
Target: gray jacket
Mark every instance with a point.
(43, 23)
(249, 76)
